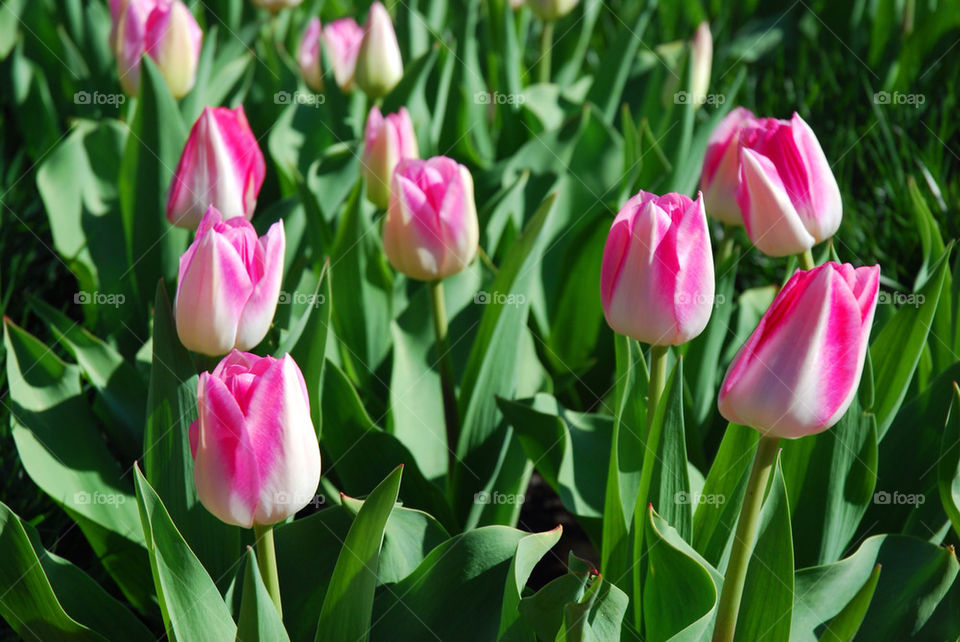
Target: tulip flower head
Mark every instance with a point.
(431, 229)
(721, 167)
(221, 165)
(379, 65)
(656, 280)
(256, 456)
(786, 190)
(798, 372)
(276, 5)
(308, 56)
(550, 10)
(342, 39)
(701, 60)
(163, 29)
(387, 140)
(228, 286)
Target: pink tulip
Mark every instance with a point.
(798, 372)
(221, 165)
(379, 65)
(342, 39)
(256, 457)
(387, 141)
(163, 29)
(229, 284)
(656, 282)
(786, 190)
(721, 167)
(308, 56)
(431, 229)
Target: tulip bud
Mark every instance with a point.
(786, 190)
(308, 57)
(798, 372)
(173, 40)
(387, 141)
(701, 61)
(221, 165)
(229, 285)
(342, 40)
(255, 451)
(276, 5)
(431, 229)
(379, 65)
(656, 282)
(550, 10)
(721, 167)
(127, 35)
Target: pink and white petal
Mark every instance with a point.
(822, 209)
(262, 304)
(695, 286)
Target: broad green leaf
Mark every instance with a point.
(544, 609)
(608, 84)
(59, 443)
(670, 488)
(597, 616)
(259, 619)
(530, 550)
(948, 466)
(189, 599)
(348, 604)
(45, 597)
(846, 623)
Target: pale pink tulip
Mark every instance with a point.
(276, 5)
(228, 286)
(656, 281)
(798, 372)
(341, 39)
(308, 56)
(431, 229)
(387, 140)
(701, 62)
(721, 167)
(550, 10)
(221, 165)
(786, 190)
(379, 65)
(256, 456)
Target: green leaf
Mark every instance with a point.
(530, 550)
(189, 599)
(597, 616)
(348, 604)
(670, 489)
(846, 623)
(59, 443)
(259, 619)
(948, 465)
(608, 85)
(45, 597)
(765, 609)
(544, 609)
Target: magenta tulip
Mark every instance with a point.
(798, 372)
(721, 167)
(342, 39)
(221, 166)
(431, 229)
(256, 456)
(786, 190)
(656, 282)
(388, 140)
(308, 56)
(229, 285)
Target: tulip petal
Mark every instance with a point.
(262, 304)
(820, 207)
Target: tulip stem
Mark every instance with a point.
(451, 414)
(743, 540)
(267, 562)
(546, 48)
(806, 260)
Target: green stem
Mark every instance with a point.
(726, 245)
(743, 540)
(546, 48)
(267, 562)
(806, 260)
(451, 414)
(658, 376)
